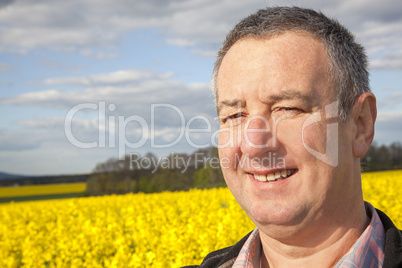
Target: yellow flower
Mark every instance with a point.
(143, 230)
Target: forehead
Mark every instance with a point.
(289, 61)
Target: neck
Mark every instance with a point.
(322, 244)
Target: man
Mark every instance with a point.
(297, 114)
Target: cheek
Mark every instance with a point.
(226, 148)
(229, 141)
(224, 138)
(314, 137)
(289, 135)
(227, 159)
(229, 155)
(299, 141)
(230, 136)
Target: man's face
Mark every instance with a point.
(274, 106)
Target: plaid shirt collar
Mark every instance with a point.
(367, 252)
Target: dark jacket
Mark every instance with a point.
(224, 258)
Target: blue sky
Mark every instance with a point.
(130, 55)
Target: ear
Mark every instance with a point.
(364, 114)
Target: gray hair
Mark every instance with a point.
(347, 59)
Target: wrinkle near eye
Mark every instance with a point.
(288, 113)
(227, 104)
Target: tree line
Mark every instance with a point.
(37, 180)
(201, 169)
(382, 157)
(150, 174)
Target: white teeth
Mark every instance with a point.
(275, 176)
(260, 177)
(270, 177)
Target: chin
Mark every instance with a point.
(263, 215)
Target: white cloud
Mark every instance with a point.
(377, 26)
(67, 24)
(390, 117)
(118, 77)
(18, 141)
(46, 123)
(181, 42)
(132, 93)
(87, 52)
(81, 25)
(129, 90)
(391, 102)
(205, 53)
(391, 60)
(34, 98)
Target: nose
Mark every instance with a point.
(259, 137)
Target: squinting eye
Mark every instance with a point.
(289, 108)
(232, 117)
(288, 112)
(286, 109)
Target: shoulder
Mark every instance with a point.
(393, 242)
(224, 257)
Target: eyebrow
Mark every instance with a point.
(230, 103)
(291, 94)
(284, 95)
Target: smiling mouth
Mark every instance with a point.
(276, 176)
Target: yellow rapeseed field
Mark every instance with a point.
(42, 189)
(143, 230)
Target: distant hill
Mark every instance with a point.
(7, 176)
(7, 179)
